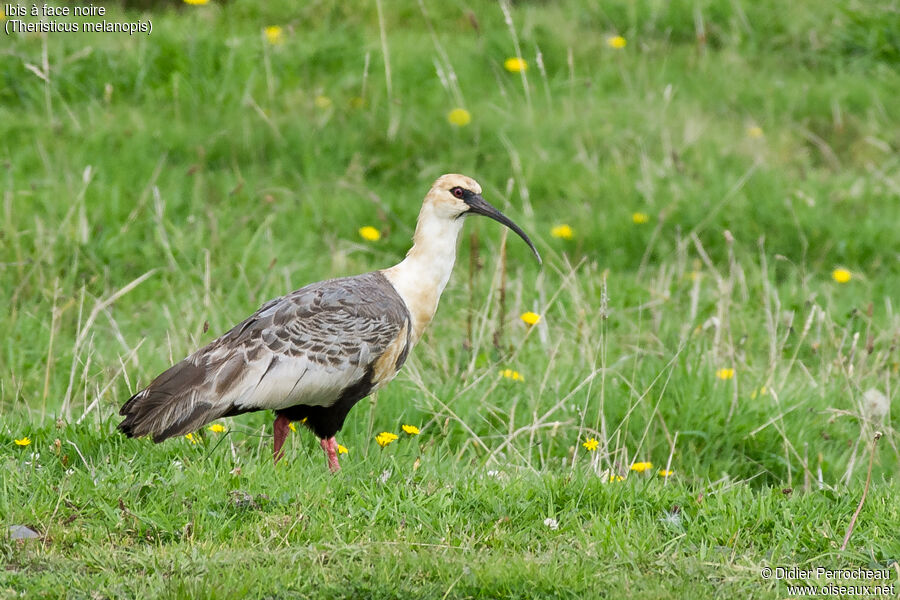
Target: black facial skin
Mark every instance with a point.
(479, 206)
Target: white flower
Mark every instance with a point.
(551, 523)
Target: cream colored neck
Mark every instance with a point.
(420, 278)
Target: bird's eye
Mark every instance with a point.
(457, 192)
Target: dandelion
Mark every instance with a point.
(617, 42)
(591, 444)
(640, 467)
(614, 477)
(665, 472)
(459, 117)
(530, 318)
(725, 374)
(510, 374)
(369, 233)
(754, 132)
(385, 437)
(760, 392)
(563, 232)
(672, 518)
(217, 428)
(841, 275)
(876, 404)
(274, 35)
(23, 442)
(196, 2)
(293, 427)
(515, 65)
(322, 102)
(192, 438)
(342, 449)
(640, 218)
(2, 16)
(410, 429)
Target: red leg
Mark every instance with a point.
(330, 446)
(282, 427)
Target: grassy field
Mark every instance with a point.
(724, 307)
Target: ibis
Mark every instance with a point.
(312, 354)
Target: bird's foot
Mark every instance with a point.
(330, 446)
(282, 427)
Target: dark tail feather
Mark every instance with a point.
(171, 405)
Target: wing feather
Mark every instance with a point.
(304, 348)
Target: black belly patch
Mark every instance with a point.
(325, 421)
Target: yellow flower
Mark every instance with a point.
(760, 392)
(754, 132)
(357, 102)
(192, 438)
(640, 467)
(274, 34)
(530, 318)
(2, 16)
(616, 41)
(323, 102)
(23, 442)
(665, 473)
(294, 427)
(515, 65)
(591, 444)
(196, 2)
(217, 428)
(510, 374)
(725, 373)
(369, 233)
(640, 218)
(342, 449)
(841, 275)
(563, 232)
(410, 429)
(614, 477)
(459, 117)
(385, 437)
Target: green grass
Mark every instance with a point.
(157, 189)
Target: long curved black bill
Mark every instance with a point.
(480, 206)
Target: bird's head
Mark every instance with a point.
(453, 196)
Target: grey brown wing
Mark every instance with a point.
(304, 348)
(312, 344)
